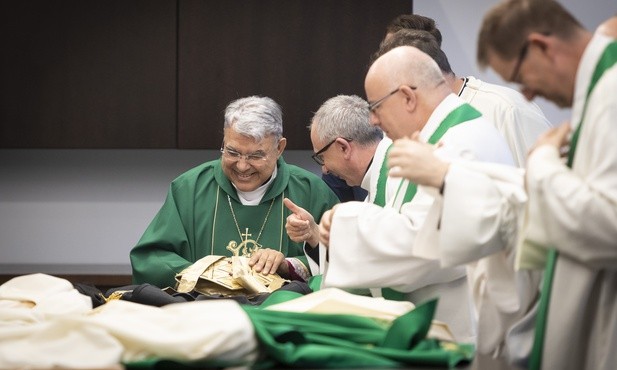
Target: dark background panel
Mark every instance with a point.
(159, 73)
(300, 53)
(88, 74)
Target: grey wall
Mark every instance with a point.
(88, 207)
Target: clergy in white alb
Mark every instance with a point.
(475, 221)
(572, 208)
(370, 246)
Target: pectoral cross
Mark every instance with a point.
(246, 235)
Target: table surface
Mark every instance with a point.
(100, 275)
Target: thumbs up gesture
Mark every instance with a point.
(301, 226)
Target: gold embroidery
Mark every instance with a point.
(115, 295)
(243, 249)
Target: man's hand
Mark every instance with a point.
(301, 226)
(416, 161)
(557, 137)
(268, 261)
(324, 227)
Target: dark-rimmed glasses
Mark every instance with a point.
(317, 157)
(519, 62)
(372, 106)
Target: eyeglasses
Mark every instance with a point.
(372, 106)
(318, 157)
(519, 62)
(234, 156)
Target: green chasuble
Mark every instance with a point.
(196, 220)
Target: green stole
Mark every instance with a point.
(463, 113)
(607, 60)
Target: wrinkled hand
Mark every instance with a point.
(416, 161)
(268, 261)
(301, 226)
(324, 227)
(557, 137)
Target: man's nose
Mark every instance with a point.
(243, 164)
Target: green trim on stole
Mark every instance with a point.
(463, 113)
(606, 61)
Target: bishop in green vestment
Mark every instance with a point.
(234, 205)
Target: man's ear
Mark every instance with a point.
(411, 99)
(344, 146)
(281, 146)
(541, 40)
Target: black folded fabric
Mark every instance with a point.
(91, 291)
(151, 295)
(145, 294)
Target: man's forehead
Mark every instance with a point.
(374, 88)
(245, 140)
(314, 134)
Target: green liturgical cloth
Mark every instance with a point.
(312, 340)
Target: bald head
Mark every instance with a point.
(404, 86)
(405, 65)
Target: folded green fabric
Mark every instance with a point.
(311, 340)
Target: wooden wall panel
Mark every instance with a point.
(297, 52)
(159, 73)
(88, 74)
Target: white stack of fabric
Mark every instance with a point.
(45, 323)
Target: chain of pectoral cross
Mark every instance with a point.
(244, 237)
